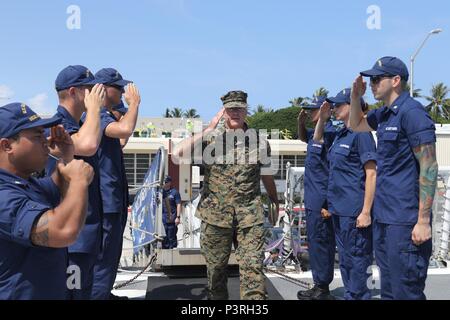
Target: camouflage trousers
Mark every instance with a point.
(215, 243)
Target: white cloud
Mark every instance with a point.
(6, 94)
(39, 104)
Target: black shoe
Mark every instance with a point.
(315, 293)
(114, 297)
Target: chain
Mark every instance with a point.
(126, 283)
(285, 277)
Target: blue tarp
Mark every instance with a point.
(144, 209)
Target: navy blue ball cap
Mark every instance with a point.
(316, 103)
(168, 179)
(15, 117)
(343, 97)
(388, 65)
(74, 76)
(120, 108)
(111, 77)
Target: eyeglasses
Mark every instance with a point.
(377, 79)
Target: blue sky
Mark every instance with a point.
(187, 53)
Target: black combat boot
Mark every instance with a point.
(315, 293)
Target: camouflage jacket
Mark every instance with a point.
(232, 192)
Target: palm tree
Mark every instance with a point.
(176, 113)
(321, 92)
(438, 106)
(191, 113)
(299, 101)
(261, 109)
(167, 113)
(416, 92)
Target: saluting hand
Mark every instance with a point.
(132, 95)
(302, 116)
(95, 99)
(325, 111)
(60, 143)
(359, 87)
(215, 121)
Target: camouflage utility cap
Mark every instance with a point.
(235, 99)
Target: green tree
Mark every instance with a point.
(167, 113)
(376, 105)
(416, 92)
(191, 113)
(260, 108)
(284, 120)
(176, 113)
(299, 101)
(321, 92)
(439, 105)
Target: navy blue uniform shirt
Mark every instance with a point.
(347, 156)
(174, 199)
(28, 271)
(400, 128)
(316, 169)
(90, 238)
(113, 178)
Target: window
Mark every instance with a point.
(136, 166)
(295, 160)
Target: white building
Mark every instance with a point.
(138, 155)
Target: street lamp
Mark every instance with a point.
(413, 57)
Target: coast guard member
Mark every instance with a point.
(113, 179)
(319, 226)
(39, 218)
(72, 85)
(406, 183)
(351, 190)
(171, 211)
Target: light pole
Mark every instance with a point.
(413, 57)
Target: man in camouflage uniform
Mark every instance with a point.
(231, 200)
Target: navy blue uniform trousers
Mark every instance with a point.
(322, 247)
(105, 269)
(355, 256)
(403, 265)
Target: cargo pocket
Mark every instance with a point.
(361, 241)
(413, 261)
(322, 232)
